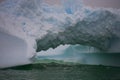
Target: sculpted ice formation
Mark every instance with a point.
(54, 25)
(99, 33)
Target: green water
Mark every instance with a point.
(108, 59)
(55, 71)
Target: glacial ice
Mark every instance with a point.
(51, 25)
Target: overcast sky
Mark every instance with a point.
(94, 3)
(103, 3)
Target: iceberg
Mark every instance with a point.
(71, 8)
(36, 25)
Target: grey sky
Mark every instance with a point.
(94, 3)
(103, 3)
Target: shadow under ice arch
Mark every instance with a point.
(100, 33)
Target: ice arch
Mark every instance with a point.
(100, 32)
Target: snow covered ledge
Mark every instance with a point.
(13, 51)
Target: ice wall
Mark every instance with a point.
(13, 51)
